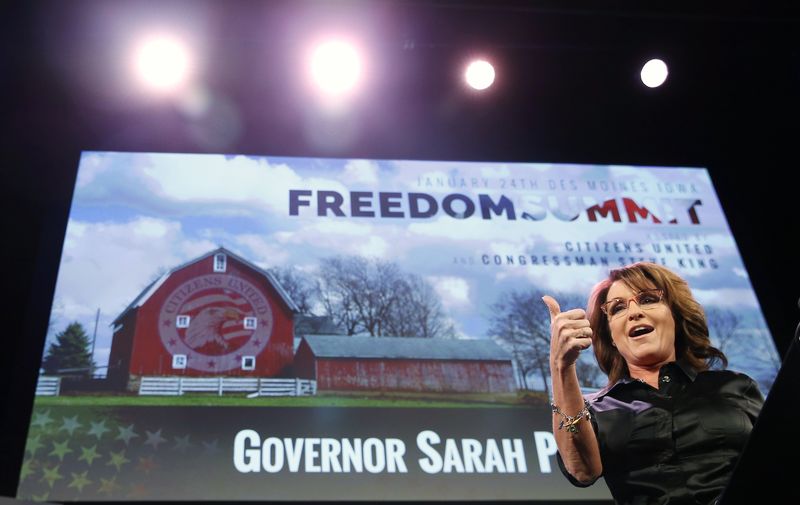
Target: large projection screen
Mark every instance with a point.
(272, 328)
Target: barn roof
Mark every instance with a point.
(332, 346)
(153, 286)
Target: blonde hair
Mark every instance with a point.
(692, 343)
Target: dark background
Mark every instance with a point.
(567, 91)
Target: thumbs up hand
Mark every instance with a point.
(570, 333)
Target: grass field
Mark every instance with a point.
(340, 399)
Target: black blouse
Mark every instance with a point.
(677, 444)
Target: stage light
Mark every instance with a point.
(162, 63)
(654, 73)
(336, 68)
(479, 74)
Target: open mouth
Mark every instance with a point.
(639, 330)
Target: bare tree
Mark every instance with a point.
(375, 297)
(520, 322)
(336, 290)
(418, 313)
(722, 326)
(298, 286)
(521, 343)
(761, 354)
(743, 337)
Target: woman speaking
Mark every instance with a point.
(666, 429)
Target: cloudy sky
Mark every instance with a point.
(135, 216)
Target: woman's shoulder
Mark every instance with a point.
(726, 379)
(726, 374)
(735, 386)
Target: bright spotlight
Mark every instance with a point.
(654, 73)
(162, 63)
(336, 67)
(480, 74)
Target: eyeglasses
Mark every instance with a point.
(646, 300)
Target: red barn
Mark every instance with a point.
(217, 315)
(405, 364)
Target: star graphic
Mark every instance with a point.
(166, 323)
(118, 459)
(210, 448)
(256, 343)
(89, 455)
(98, 429)
(40, 497)
(126, 434)
(182, 443)
(211, 363)
(79, 480)
(70, 424)
(264, 322)
(146, 464)
(42, 419)
(108, 486)
(172, 342)
(138, 491)
(154, 439)
(28, 469)
(60, 449)
(51, 475)
(33, 445)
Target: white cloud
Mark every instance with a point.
(153, 229)
(361, 172)
(496, 170)
(70, 308)
(720, 241)
(374, 247)
(578, 280)
(91, 165)
(195, 248)
(447, 229)
(458, 329)
(262, 250)
(215, 179)
(194, 184)
(346, 238)
(453, 291)
(726, 297)
(341, 228)
(107, 264)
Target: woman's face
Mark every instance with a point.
(645, 337)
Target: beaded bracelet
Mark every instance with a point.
(572, 421)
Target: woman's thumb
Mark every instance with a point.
(552, 306)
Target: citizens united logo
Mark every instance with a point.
(215, 320)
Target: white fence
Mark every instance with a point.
(175, 386)
(48, 386)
